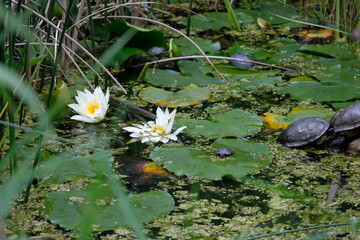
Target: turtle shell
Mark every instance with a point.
(304, 131)
(346, 119)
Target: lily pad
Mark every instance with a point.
(65, 209)
(235, 123)
(190, 72)
(331, 50)
(187, 48)
(319, 92)
(255, 80)
(249, 158)
(190, 95)
(277, 121)
(342, 76)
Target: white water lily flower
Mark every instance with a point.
(91, 107)
(158, 131)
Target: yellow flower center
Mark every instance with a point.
(92, 106)
(158, 129)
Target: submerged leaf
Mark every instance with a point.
(248, 157)
(190, 95)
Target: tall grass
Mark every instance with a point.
(52, 41)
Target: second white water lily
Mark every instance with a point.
(158, 131)
(91, 107)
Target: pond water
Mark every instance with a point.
(181, 189)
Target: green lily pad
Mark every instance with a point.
(249, 158)
(330, 62)
(65, 209)
(319, 92)
(331, 50)
(190, 95)
(187, 48)
(235, 123)
(190, 73)
(340, 76)
(255, 80)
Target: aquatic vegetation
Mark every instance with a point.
(158, 131)
(91, 107)
(234, 123)
(227, 178)
(248, 157)
(189, 95)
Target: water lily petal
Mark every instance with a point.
(84, 119)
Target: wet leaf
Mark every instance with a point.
(190, 95)
(65, 208)
(235, 123)
(277, 121)
(190, 73)
(249, 157)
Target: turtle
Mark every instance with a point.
(347, 121)
(305, 131)
(345, 125)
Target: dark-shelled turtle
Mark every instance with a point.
(345, 125)
(241, 64)
(347, 121)
(305, 131)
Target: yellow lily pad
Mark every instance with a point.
(276, 121)
(190, 95)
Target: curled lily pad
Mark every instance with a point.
(190, 95)
(190, 73)
(234, 123)
(248, 157)
(65, 209)
(277, 121)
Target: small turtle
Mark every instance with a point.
(224, 152)
(345, 125)
(305, 131)
(242, 64)
(347, 121)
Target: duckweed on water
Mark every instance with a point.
(294, 188)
